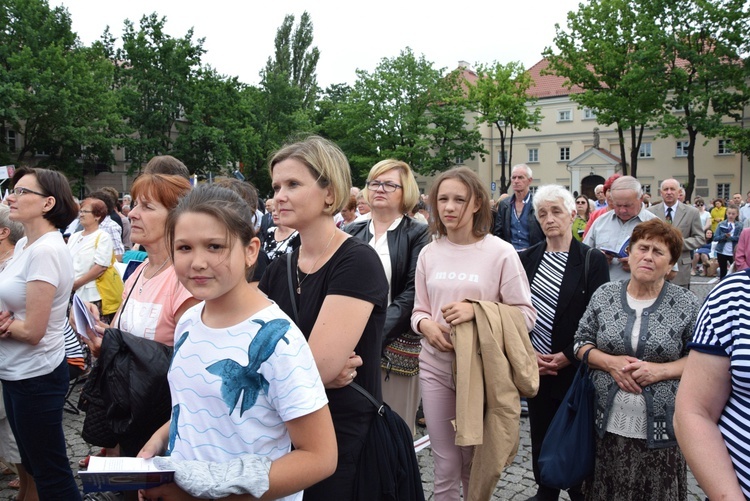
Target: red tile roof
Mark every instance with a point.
(548, 85)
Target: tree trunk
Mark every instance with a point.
(692, 136)
(623, 157)
(503, 178)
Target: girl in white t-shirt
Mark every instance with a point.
(243, 379)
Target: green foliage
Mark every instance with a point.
(702, 42)
(215, 135)
(154, 77)
(500, 97)
(404, 109)
(672, 64)
(608, 51)
(53, 92)
(294, 57)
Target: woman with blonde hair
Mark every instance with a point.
(391, 191)
(334, 288)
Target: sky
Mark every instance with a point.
(239, 35)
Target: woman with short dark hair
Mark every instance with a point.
(637, 333)
(34, 291)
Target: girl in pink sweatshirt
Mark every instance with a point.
(465, 261)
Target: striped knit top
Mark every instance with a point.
(723, 329)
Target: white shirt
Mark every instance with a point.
(47, 260)
(86, 251)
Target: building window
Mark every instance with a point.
(533, 189)
(533, 155)
(10, 140)
(722, 191)
(645, 151)
(565, 153)
(564, 116)
(646, 188)
(725, 147)
(589, 114)
(502, 157)
(459, 160)
(682, 148)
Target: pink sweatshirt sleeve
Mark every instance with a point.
(742, 254)
(421, 300)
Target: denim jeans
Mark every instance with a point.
(34, 407)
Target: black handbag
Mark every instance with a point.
(567, 455)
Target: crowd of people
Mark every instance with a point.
(253, 344)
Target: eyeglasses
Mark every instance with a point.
(699, 205)
(580, 202)
(22, 191)
(387, 186)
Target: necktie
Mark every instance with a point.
(669, 215)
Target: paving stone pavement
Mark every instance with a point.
(517, 482)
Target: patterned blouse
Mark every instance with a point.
(274, 248)
(665, 331)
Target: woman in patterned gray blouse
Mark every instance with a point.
(637, 333)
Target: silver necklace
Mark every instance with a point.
(299, 282)
(145, 280)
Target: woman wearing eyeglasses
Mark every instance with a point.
(391, 191)
(583, 211)
(34, 291)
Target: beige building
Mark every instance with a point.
(563, 150)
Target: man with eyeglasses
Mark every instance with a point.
(685, 218)
(601, 199)
(515, 221)
(610, 233)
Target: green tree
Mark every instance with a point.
(54, 93)
(608, 52)
(215, 135)
(500, 97)
(154, 76)
(276, 116)
(295, 58)
(702, 42)
(408, 110)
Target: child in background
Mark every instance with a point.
(244, 384)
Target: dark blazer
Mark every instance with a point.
(502, 222)
(687, 219)
(575, 292)
(404, 245)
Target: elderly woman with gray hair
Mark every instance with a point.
(563, 275)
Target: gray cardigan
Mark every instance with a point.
(666, 329)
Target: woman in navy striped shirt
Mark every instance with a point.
(713, 403)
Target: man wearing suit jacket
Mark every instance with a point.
(686, 219)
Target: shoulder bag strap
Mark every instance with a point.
(291, 286)
(124, 303)
(368, 396)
